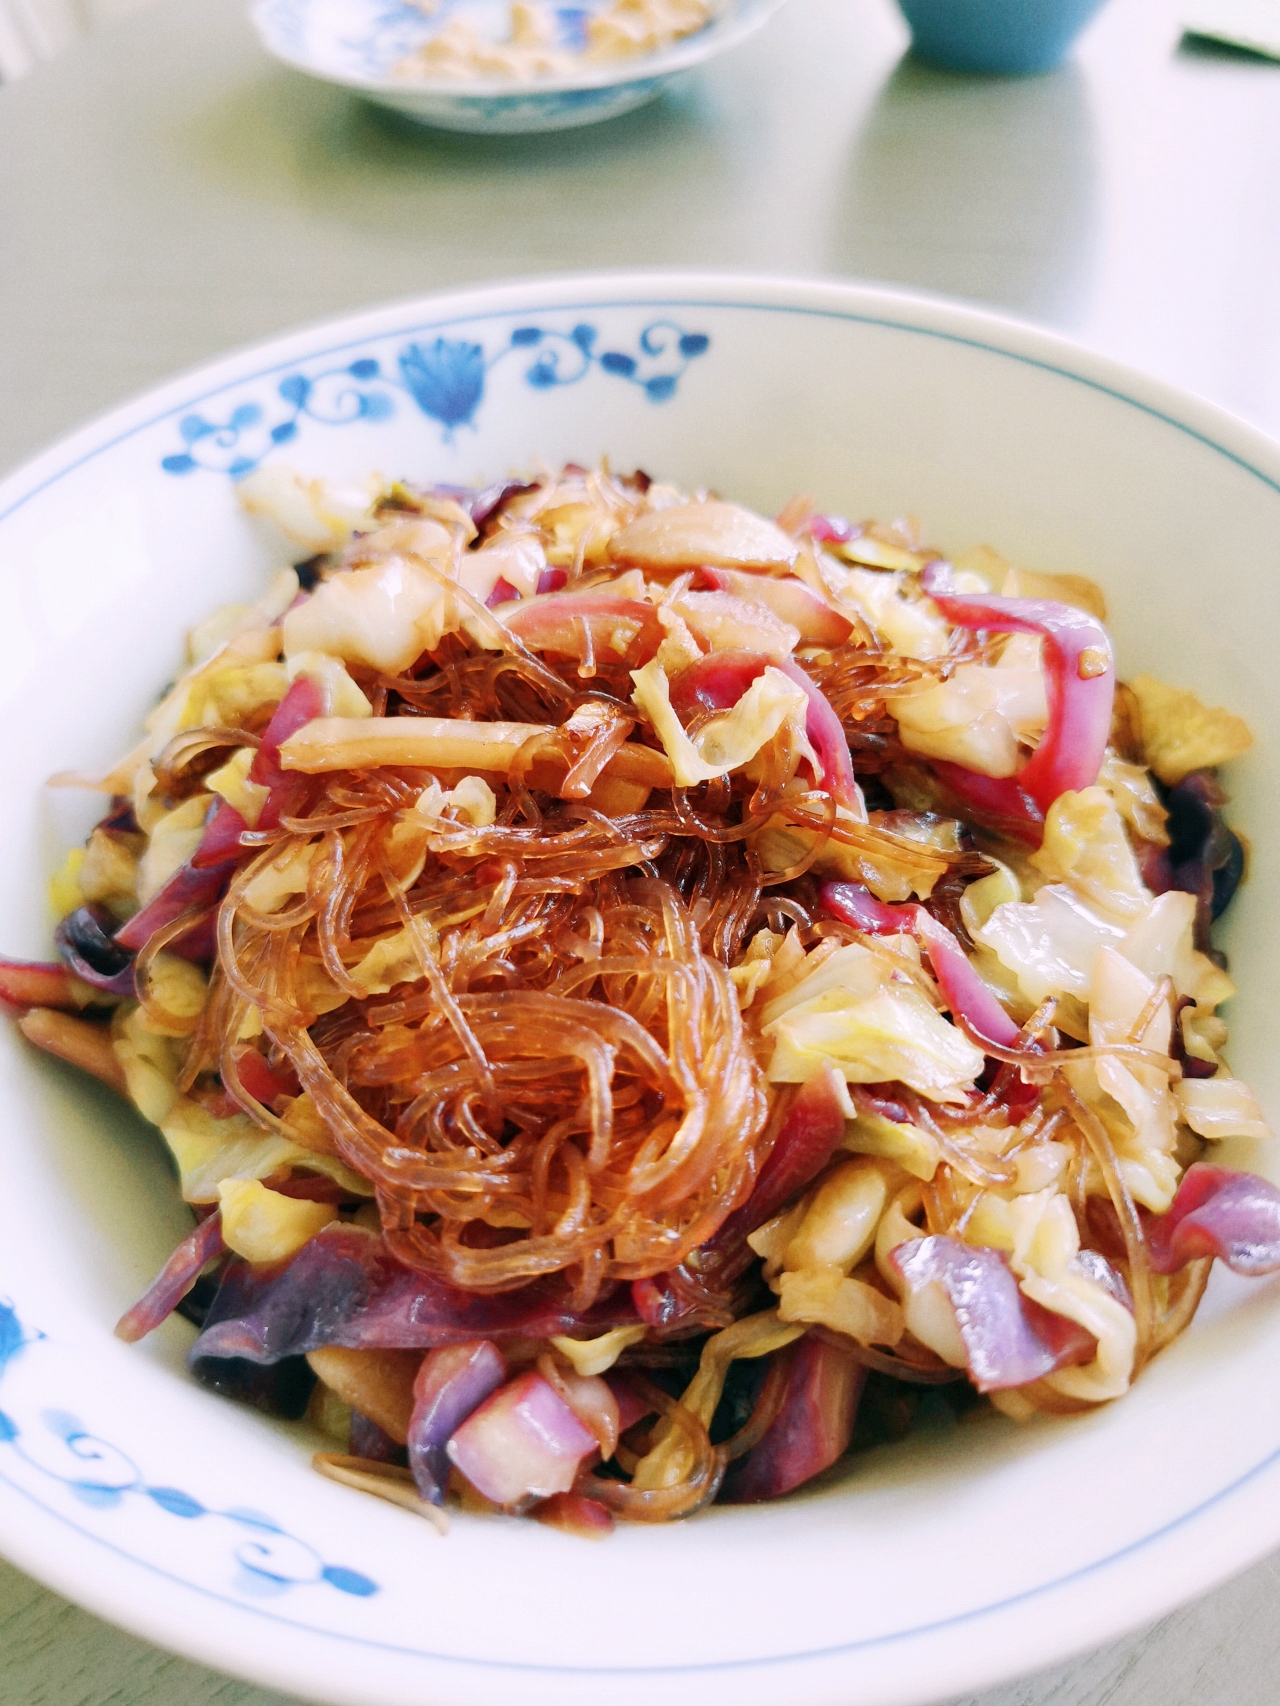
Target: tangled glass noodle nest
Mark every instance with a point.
(565, 1081)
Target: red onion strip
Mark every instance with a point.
(451, 1383)
(1080, 684)
(37, 983)
(811, 1132)
(1008, 1340)
(174, 1280)
(718, 681)
(523, 1442)
(853, 904)
(199, 883)
(1218, 1212)
(967, 996)
(812, 1429)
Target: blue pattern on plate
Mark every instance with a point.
(99, 1475)
(391, 32)
(446, 379)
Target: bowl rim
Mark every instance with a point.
(732, 22)
(927, 313)
(1197, 1569)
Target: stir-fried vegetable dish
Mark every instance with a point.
(644, 998)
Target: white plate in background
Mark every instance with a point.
(357, 43)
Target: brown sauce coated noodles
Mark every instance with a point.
(566, 1084)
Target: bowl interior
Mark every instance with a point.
(359, 42)
(116, 541)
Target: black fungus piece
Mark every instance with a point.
(369, 1441)
(120, 818)
(483, 504)
(1204, 857)
(887, 1411)
(738, 1400)
(891, 1409)
(195, 1305)
(310, 571)
(279, 1388)
(874, 792)
(487, 505)
(85, 942)
(1227, 877)
(1192, 805)
(1192, 1066)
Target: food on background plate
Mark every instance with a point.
(644, 998)
(541, 41)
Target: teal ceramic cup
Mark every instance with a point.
(1007, 37)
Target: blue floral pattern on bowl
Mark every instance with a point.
(445, 378)
(100, 1476)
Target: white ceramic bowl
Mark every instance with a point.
(932, 1568)
(357, 42)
